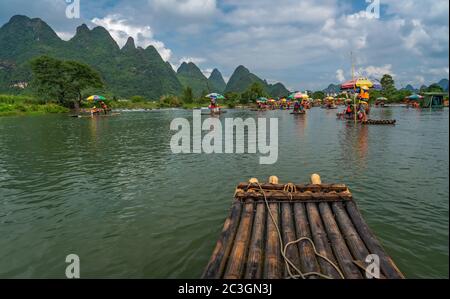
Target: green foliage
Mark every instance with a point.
(137, 99)
(63, 80)
(233, 97)
(16, 104)
(255, 91)
(169, 101)
(188, 96)
(318, 95)
(388, 85)
(434, 88)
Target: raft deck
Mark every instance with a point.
(249, 245)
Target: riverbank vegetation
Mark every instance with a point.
(21, 104)
(58, 86)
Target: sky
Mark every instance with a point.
(305, 44)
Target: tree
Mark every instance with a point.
(255, 91)
(318, 95)
(63, 80)
(188, 96)
(434, 88)
(388, 85)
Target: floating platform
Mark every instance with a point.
(277, 231)
(380, 122)
(95, 115)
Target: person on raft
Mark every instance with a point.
(213, 106)
(362, 116)
(95, 111)
(296, 106)
(348, 111)
(104, 107)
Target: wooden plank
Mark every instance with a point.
(321, 241)
(255, 260)
(387, 265)
(236, 261)
(217, 262)
(289, 235)
(296, 196)
(272, 261)
(299, 187)
(308, 259)
(354, 242)
(341, 252)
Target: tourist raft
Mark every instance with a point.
(279, 231)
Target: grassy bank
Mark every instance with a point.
(27, 105)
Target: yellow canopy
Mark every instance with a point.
(364, 83)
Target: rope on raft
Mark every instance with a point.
(289, 189)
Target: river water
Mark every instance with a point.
(111, 191)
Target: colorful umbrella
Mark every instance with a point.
(298, 95)
(96, 98)
(355, 83)
(216, 96)
(262, 99)
(415, 97)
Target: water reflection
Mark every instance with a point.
(97, 186)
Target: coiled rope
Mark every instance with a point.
(289, 188)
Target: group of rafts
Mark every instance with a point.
(298, 102)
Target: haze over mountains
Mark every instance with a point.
(126, 71)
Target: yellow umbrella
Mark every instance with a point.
(364, 83)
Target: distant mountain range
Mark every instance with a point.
(332, 88)
(128, 71)
(442, 83)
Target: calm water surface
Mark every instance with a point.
(111, 191)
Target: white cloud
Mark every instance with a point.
(207, 72)
(121, 28)
(340, 75)
(419, 79)
(376, 71)
(185, 8)
(65, 35)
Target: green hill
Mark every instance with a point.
(127, 71)
(242, 78)
(191, 76)
(216, 82)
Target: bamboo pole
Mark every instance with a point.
(219, 257)
(387, 265)
(343, 256)
(306, 252)
(238, 254)
(272, 263)
(320, 239)
(354, 242)
(288, 232)
(256, 249)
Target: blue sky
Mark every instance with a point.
(305, 44)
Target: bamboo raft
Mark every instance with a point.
(249, 246)
(380, 122)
